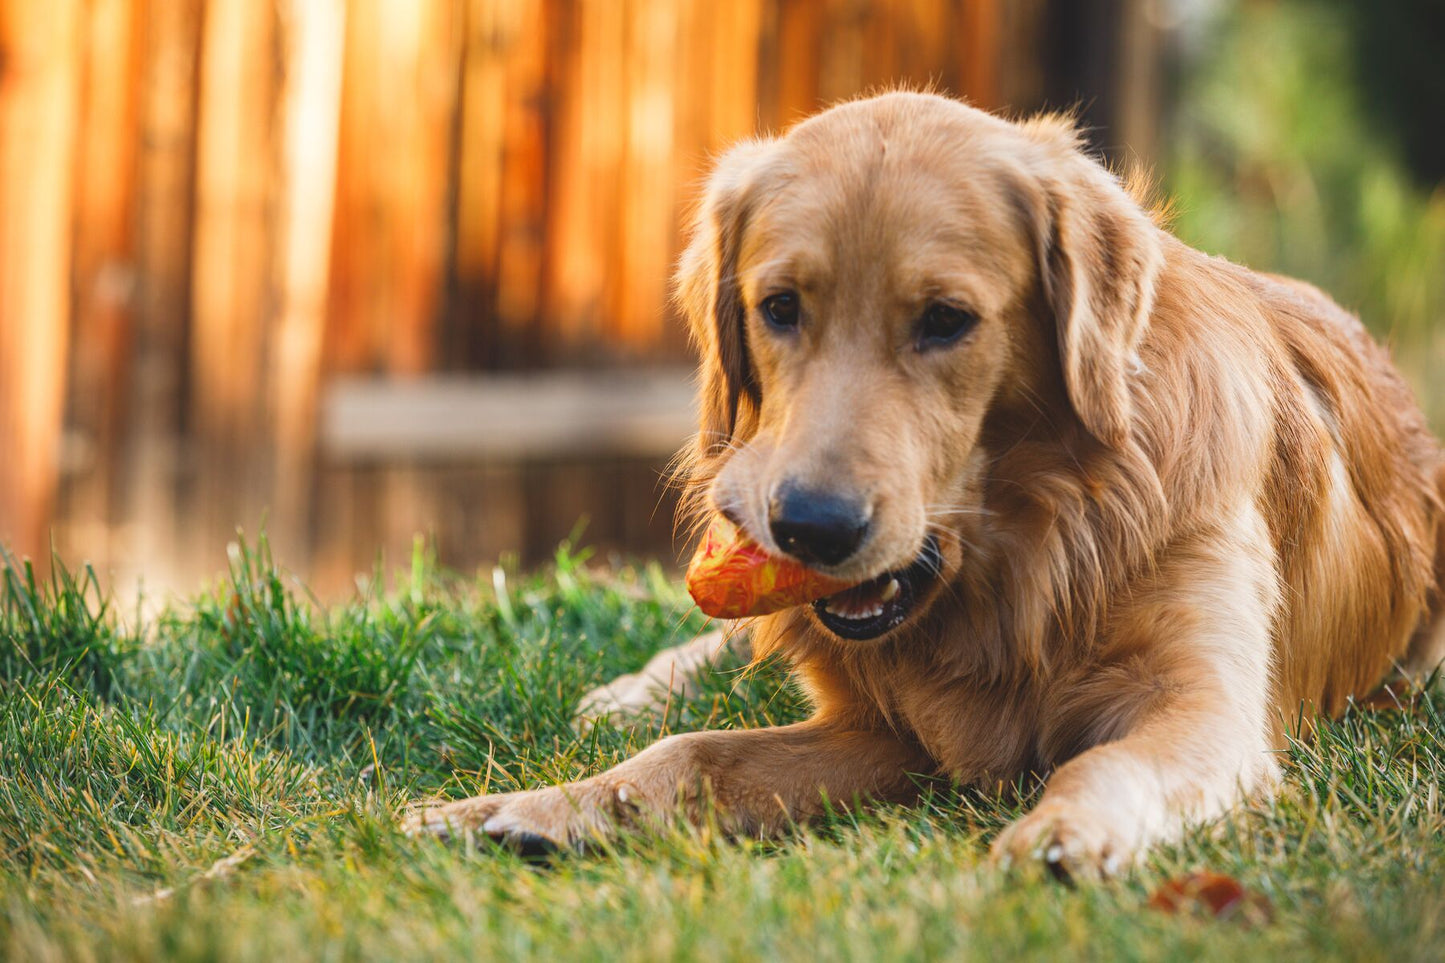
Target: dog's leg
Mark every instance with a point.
(669, 676)
(759, 780)
(1427, 650)
(1177, 710)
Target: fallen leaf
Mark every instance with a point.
(1212, 894)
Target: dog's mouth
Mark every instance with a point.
(880, 604)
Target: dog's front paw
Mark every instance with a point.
(532, 823)
(1072, 841)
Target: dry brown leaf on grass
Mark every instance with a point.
(1211, 894)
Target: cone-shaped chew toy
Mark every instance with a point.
(732, 577)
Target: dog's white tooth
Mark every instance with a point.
(890, 590)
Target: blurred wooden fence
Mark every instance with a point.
(211, 209)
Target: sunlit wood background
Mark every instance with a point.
(214, 213)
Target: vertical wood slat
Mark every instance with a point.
(311, 107)
(799, 43)
(1021, 75)
(232, 295)
(1136, 82)
(401, 69)
(979, 79)
(40, 72)
(647, 193)
(585, 148)
(840, 68)
(421, 46)
(155, 402)
(690, 156)
(103, 270)
(520, 264)
(356, 230)
(732, 88)
(471, 333)
(925, 38)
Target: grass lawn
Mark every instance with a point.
(223, 784)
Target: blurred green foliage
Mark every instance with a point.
(1399, 43)
(1277, 158)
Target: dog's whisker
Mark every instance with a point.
(950, 509)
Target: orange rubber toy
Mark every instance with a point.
(733, 577)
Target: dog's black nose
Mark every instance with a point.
(816, 527)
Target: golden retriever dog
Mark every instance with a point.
(1119, 513)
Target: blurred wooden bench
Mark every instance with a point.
(495, 465)
(508, 417)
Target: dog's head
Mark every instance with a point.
(881, 297)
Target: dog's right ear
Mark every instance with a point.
(707, 289)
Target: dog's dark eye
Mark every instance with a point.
(781, 310)
(942, 324)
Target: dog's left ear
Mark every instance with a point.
(1099, 256)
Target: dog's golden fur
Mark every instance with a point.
(1181, 505)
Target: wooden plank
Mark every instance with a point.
(840, 69)
(979, 77)
(469, 336)
(40, 74)
(585, 148)
(480, 514)
(232, 296)
(356, 272)
(312, 32)
(734, 83)
(164, 231)
(647, 194)
(690, 157)
(799, 45)
(402, 71)
(923, 44)
(1137, 83)
(508, 416)
(520, 267)
(490, 33)
(881, 63)
(421, 44)
(104, 278)
(1021, 68)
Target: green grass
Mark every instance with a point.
(223, 783)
